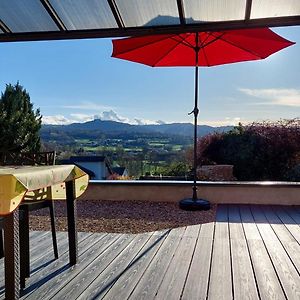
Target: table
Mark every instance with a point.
(18, 181)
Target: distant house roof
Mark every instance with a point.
(88, 158)
(119, 170)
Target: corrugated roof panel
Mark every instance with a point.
(82, 14)
(32, 20)
(274, 8)
(148, 12)
(214, 10)
(25, 16)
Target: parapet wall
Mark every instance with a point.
(277, 193)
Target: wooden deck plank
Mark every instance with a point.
(221, 224)
(37, 238)
(285, 270)
(294, 213)
(88, 256)
(244, 286)
(175, 277)
(100, 286)
(45, 256)
(220, 284)
(46, 246)
(50, 277)
(288, 221)
(207, 230)
(250, 252)
(287, 240)
(39, 256)
(129, 279)
(149, 283)
(278, 227)
(267, 281)
(295, 209)
(250, 228)
(43, 261)
(196, 285)
(235, 225)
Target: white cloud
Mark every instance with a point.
(113, 116)
(56, 120)
(105, 116)
(87, 105)
(283, 97)
(228, 121)
(144, 122)
(82, 117)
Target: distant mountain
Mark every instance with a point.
(106, 126)
(186, 129)
(183, 129)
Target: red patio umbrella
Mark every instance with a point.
(199, 49)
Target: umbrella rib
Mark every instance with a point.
(207, 37)
(183, 40)
(212, 41)
(166, 53)
(203, 49)
(143, 46)
(241, 48)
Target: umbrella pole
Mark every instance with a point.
(194, 203)
(195, 112)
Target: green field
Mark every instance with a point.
(99, 148)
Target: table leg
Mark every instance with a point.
(11, 260)
(24, 245)
(72, 226)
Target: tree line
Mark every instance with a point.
(258, 151)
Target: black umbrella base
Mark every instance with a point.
(194, 204)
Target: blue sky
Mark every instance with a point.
(76, 81)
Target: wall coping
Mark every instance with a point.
(199, 183)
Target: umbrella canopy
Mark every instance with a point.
(212, 48)
(199, 49)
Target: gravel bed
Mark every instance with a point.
(122, 216)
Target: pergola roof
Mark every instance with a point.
(26, 20)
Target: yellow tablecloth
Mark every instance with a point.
(18, 181)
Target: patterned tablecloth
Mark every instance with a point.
(18, 183)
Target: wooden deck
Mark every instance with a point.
(250, 252)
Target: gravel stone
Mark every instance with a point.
(122, 216)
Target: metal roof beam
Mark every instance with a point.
(137, 31)
(116, 13)
(53, 14)
(181, 12)
(3, 27)
(248, 10)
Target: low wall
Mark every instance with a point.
(284, 193)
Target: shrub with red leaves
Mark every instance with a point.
(259, 151)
